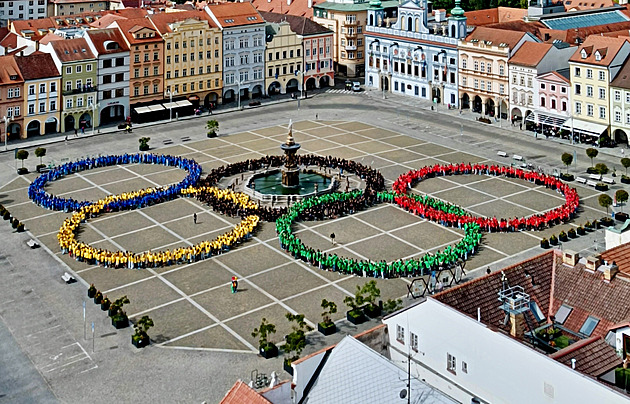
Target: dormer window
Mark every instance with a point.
(584, 55)
(14, 77)
(598, 56)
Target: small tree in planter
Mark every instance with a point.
(553, 240)
(355, 314)
(98, 297)
(213, 127)
(563, 236)
(266, 348)
(15, 222)
(296, 340)
(605, 201)
(625, 162)
(567, 159)
(91, 291)
(392, 305)
(144, 143)
(22, 155)
(105, 303)
(118, 315)
(601, 168)
(20, 227)
(592, 153)
(140, 339)
(581, 231)
(371, 292)
(117, 305)
(327, 327)
(40, 152)
(621, 196)
(544, 243)
(571, 233)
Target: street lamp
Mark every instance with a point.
(170, 105)
(499, 101)
(239, 94)
(94, 106)
(6, 130)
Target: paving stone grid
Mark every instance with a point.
(191, 304)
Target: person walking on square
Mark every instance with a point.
(332, 238)
(234, 284)
(195, 218)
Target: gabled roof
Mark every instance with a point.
(298, 8)
(241, 393)
(300, 25)
(72, 50)
(593, 356)
(555, 75)
(576, 5)
(494, 15)
(8, 69)
(162, 21)
(530, 54)
(50, 37)
(235, 14)
(9, 40)
(36, 66)
(133, 25)
(348, 376)
(106, 20)
(496, 36)
(101, 38)
(607, 47)
(620, 255)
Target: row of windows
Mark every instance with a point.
(590, 109)
(156, 57)
(451, 360)
(42, 107)
(243, 76)
(284, 54)
(483, 85)
(79, 85)
(30, 11)
(483, 67)
(291, 69)
(79, 68)
(589, 91)
(552, 87)
(107, 63)
(244, 59)
(244, 42)
(145, 90)
(553, 105)
(352, 55)
(42, 88)
(192, 42)
(136, 72)
(589, 73)
(191, 57)
(185, 86)
(185, 72)
(89, 101)
(618, 96)
(13, 111)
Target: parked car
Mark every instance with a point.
(356, 86)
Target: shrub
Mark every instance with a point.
(605, 201)
(567, 159)
(601, 168)
(144, 143)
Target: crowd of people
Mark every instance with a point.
(327, 206)
(149, 259)
(458, 217)
(38, 195)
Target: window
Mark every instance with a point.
(400, 334)
(602, 93)
(136, 91)
(589, 109)
(578, 108)
(563, 312)
(155, 88)
(413, 338)
(483, 66)
(136, 73)
(10, 111)
(464, 63)
(53, 87)
(79, 69)
(168, 60)
(501, 88)
(145, 89)
(53, 105)
(476, 66)
(146, 71)
(451, 363)
(542, 101)
(136, 58)
(617, 95)
(578, 89)
(10, 93)
(589, 73)
(155, 71)
(464, 367)
(564, 105)
(31, 109)
(577, 72)
(602, 75)
(538, 314)
(617, 116)
(42, 88)
(69, 70)
(501, 70)
(589, 326)
(31, 89)
(602, 112)
(42, 107)
(80, 102)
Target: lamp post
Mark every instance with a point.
(239, 94)
(94, 106)
(170, 105)
(6, 130)
(499, 101)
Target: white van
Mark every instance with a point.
(356, 86)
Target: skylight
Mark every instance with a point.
(589, 326)
(562, 314)
(538, 314)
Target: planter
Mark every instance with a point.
(625, 180)
(622, 217)
(606, 221)
(572, 234)
(372, 310)
(40, 167)
(553, 241)
(140, 342)
(592, 170)
(105, 305)
(356, 317)
(601, 187)
(91, 293)
(564, 238)
(268, 351)
(111, 310)
(581, 231)
(120, 322)
(327, 329)
(98, 299)
(544, 243)
(212, 134)
(143, 148)
(567, 177)
(22, 170)
(287, 367)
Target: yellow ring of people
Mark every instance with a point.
(126, 259)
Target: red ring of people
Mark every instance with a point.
(534, 222)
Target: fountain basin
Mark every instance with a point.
(267, 185)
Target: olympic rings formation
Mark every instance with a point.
(37, 194)
(538, 221)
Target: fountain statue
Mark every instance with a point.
(290, 171)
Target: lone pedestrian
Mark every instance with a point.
(195, 218)
(83, 130)
(234, 284)
(316, 116)
(332, 238)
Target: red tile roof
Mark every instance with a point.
(299, 25)
(496, 36)
(593, 356)
(494, 15)
(298, 8)
(162, 21)
(235, 14)
(620, 254)
(532, 27)
(241, 393)
(576, 5)
(72, 50)
(132, 25)
(37, 65)
(608, 47)
(530, 54)
(9, 68)
(101, 37)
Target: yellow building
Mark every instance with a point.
(593, 66)
(193, 56)
(283, 57)
(42, 83)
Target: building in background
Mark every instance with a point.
(42, 83)
(620, 105)
(22, 10)
(243, 49)
(112, 52)
(78, 67)
(11, 99)
(70, 7)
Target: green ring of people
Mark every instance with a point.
(419, 266)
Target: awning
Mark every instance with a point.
(184, 103)
(142, 110)
(546, 120)
(587, 128)
(156, 107)
(170, 105)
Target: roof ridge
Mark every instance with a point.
(574, 347)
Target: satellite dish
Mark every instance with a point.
(403, 393)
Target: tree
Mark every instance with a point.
(296, 340)
(330, 308)
(605, 201)
(621, 196)
(601, 168)
(213, 127)
(263, 332)
(592, 153)
(625, 162)
(22, 155)
(567, 159)
(144, 143)
(40, 152)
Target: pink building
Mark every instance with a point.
(552, 104)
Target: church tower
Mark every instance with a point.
(457, 22)
(376, 14)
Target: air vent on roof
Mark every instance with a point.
(570, 257)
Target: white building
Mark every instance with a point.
(113, 73)
(528, 334)
(414, 55)
(22, 10)
(243, 49)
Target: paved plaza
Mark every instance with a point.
(191, 304)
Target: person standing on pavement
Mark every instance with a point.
(332, 238)
(234, 284)
(195, 218)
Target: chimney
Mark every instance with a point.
(593, 262)
(570, 258)
(609, 270)
(517, 325)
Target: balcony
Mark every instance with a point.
(84, 89)
(351, 34)
(351, 47)
(347, 23)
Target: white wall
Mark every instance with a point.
(500, 370)
(303, 372)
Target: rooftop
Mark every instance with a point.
(530, 54)
(331, 5)
(163, 21)
(241, 393)
(72, 50)
(107, 41)
(299, 25)
(298, 8)
(568, 21)
(598, 50)
(235, 14)
(9, 71)
(494, 15)
(37, 65)
(495, 37)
